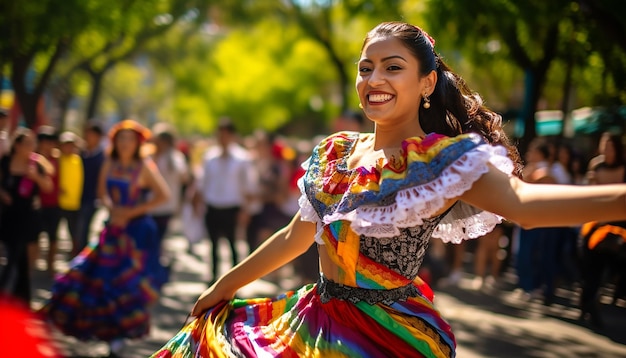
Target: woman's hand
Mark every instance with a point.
(279, 249)
(120, 216)
(211, 297)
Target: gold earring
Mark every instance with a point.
(361, 105)
(426, 104)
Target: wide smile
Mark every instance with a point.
(379, 98)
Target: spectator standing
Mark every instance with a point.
(92, 157)
(173, 167)
(603, 243)
(536, 254)
(225, 190)
(271, 176)
(70, 185)
(24, 174)
(48, 146)
(5, 141)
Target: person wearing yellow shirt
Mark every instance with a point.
(70, 184)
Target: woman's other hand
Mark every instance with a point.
(120, 216)
(211, 297)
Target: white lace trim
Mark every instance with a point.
(414, 204)
(307, 211)
(471, 227)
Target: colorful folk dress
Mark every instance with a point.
(375, 225)
(107, 291)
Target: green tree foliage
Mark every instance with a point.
(99, 49)
(260, 81)
(298, 56)
(605, 26)
(88, 35)
(557, 46)
(527, 31)
(35, 35)
(336, 26)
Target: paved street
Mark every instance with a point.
(496, 323)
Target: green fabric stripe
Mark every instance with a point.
(379, 315)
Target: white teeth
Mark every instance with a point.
(379, 97)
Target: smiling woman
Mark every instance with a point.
(437, 165)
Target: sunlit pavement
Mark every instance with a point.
(499, 322)
(487, 323)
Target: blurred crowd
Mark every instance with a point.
(230, 187)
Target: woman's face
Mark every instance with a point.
(26, 146)
(388, 82)
(92, 139)
(126, 143)
(564, 155)
(532, 155)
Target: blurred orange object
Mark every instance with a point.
(22, 334)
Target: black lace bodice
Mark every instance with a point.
(405, 253)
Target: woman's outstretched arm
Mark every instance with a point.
(544, 205)
(282, 247)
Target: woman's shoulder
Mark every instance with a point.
(339, 138)
(337, 145)
(435, 139)
(437, 148)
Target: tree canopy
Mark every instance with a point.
(289, 65)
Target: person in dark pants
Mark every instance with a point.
(603, 244)
(603, 249)
(222, 222)
(173, 167)
(225, 190)
(23, 175)
(47, 145)
(93, 157)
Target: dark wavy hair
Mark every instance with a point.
(455, 108)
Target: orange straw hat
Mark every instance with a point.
(143, 132)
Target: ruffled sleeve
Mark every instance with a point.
(416, 187)
(307, 212)
(325, 179)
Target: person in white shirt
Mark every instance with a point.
(173, 167)
(558, 169)
(224, 188)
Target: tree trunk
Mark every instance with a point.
(62, 96)
(26, 99)
(96, 89)
(567, 87)
(529, 107)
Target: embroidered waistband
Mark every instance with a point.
(329, 289)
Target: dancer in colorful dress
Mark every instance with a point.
(106, 293)
(438, 164)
